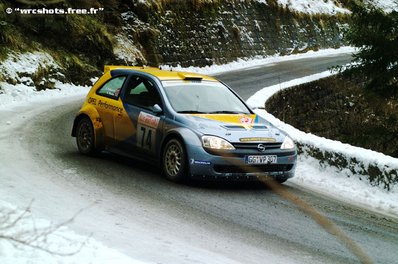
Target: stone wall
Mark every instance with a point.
(154, 32)
(222, 32)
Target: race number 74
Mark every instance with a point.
(145, 137)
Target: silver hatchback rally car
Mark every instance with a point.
(191, 125)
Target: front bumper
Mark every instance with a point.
(232, 166)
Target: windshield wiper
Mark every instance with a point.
(191, 112)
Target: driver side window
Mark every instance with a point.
(142, 92)
(112, 88)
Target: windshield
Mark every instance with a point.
(203, 97)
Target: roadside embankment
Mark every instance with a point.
(374, 167)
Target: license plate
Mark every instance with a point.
(261, 159)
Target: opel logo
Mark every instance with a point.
(261, 147)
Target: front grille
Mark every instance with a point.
(253, 169)
(255, 145)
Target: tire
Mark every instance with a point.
(174, 161)
(85, 137)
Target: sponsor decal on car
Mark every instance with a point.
(148, 120)
(146, 130)
(200, 162)
(246, 120)
(257, 139)
(105, 105)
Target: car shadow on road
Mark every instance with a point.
(227, 185)
(150, 172)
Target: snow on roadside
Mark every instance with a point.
(341, 185)
(258, 99)
(19, 69)
(260, 61)
(351, 190)
(20, 94)
(65, 245)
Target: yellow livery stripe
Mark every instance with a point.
(243, 120)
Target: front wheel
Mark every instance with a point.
(174, 163)
(85, 137)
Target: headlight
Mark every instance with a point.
(287, 143)
(216, 143)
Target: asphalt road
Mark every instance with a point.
(132, 208)
(249, 81)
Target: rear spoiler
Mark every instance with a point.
(188, 76)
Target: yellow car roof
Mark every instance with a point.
(162, 74)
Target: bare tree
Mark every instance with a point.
(21, 229)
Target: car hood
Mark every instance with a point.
(236, 127)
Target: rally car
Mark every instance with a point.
(193, 126)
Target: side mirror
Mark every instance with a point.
(157, 109)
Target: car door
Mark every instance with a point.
(139, 99)
(109, 105)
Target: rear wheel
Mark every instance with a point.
(85, 137)
(174, 163)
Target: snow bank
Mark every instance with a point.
(21, 94)
(247, 63)
(377, 168)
